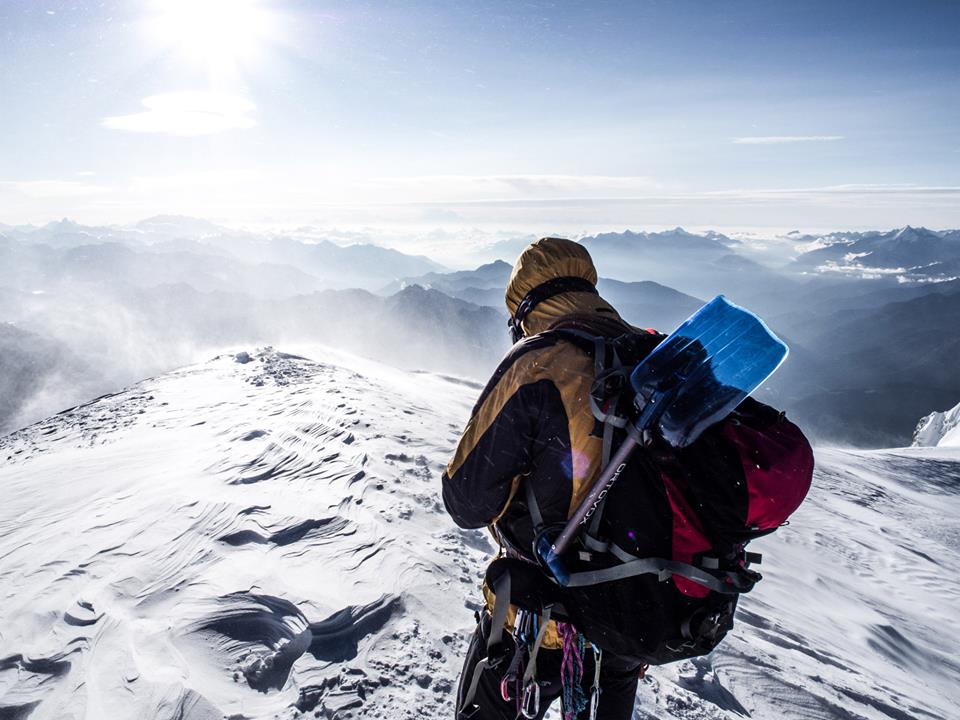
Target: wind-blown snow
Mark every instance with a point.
(261, 536)
(939, 429)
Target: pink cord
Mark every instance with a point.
(571, 671)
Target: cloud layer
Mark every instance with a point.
(188, 114)
(785, 139)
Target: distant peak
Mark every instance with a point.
(495, 265)
(910, 230)
(907, 232)
(63, 223)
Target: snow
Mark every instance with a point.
(261, 536)
(939, 429)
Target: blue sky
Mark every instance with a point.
(556, 116)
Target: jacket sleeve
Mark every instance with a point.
(497, 445)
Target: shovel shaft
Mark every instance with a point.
(588, 505)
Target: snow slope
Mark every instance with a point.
(939, 429)
(261, 536)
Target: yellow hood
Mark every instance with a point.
(547, 259)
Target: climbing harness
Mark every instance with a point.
(528, 632)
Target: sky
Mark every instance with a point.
(548, 116)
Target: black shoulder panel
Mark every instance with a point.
(534, 342)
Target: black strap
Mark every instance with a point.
(501, 604)
(606, 362)
(530, 672)
(532, 505)
(609, 420)
(726, 583)
(542, 292)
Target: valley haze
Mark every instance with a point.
(870, 316)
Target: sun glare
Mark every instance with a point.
(215, 33)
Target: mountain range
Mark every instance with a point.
(171, 249)
(73, 342)
(89, 309)
(645, 303)
(916, 254)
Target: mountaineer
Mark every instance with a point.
(539, 435)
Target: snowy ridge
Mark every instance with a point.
(261, 536)
(193, 545)
(939, 429)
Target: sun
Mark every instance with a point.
(217, 34)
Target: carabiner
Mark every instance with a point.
(512, 675)
(594, 702)
(530, 706)
(595, 688)
(505, 688)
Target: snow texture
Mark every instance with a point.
(261, 536)
(939, 429)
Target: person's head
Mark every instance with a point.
(551, 279)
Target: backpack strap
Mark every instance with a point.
(609, 371)
(726, 582)
(611, 421)
(495, 651)
(532, 505)
(599, 348)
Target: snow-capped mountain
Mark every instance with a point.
(939, 429)
(262, 536)
(911, 253)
